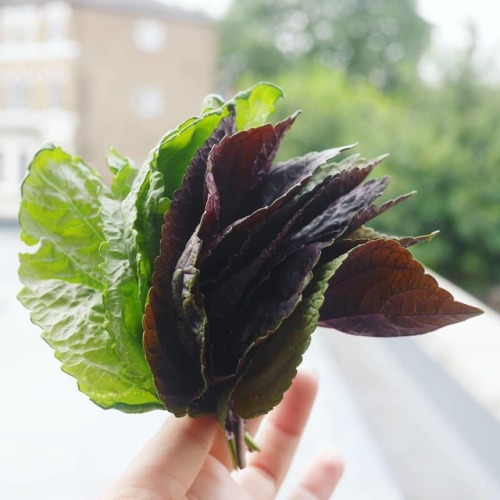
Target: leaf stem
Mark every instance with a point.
(250, 442)
(236, 436)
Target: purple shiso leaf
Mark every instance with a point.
(273, 301)
(373, 211)
(174, 354)
(270, 365)
(381, 291)
(284, 176)
(287, 221)
(225, 298)
(364, 235)
(187, 205)
(332, 222)
(239, 162)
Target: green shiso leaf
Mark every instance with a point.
(255, 105)
(68, 283)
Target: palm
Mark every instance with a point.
(189, 458)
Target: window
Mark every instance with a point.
(19, 24)
(57, 16)
(150, 36)
(18, 93)
(55, 90)
(148, 102)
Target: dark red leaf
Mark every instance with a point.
(287, 174)
(239, 162)
(258, 242)
(332, 221)
(381, 291)
(372, 211)
(275, 298)
(176, 369)
(174, 352)
(217, 255)
(325, 196)
(364, 235)
(187, 205)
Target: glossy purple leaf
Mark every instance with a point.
(272, 302)
(174, 352)
(188, 204)
(269, 368)
(240, 162)
(285, 175)
(381, 291)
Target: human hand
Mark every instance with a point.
(188, 458)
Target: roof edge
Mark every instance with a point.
(131, 7)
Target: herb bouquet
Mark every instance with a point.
(195, 282)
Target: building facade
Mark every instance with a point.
(89, 74)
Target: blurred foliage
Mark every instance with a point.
(382, 40)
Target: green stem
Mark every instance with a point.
(250, 442)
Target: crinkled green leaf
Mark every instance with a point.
(120, 297)
(255, 105)
(67, 283)
(124, 173)
(72, 318)
(60, 209)
(146, 206)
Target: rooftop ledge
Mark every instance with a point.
(469, 351)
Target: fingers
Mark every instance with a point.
(215, 482)
(321, 478)
(168, 465)
(279, 436)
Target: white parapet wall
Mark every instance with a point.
(469, 351)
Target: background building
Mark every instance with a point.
(88, 74)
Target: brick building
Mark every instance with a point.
(87, 74)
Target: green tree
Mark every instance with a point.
(381, 40)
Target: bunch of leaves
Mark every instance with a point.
(194, 283)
